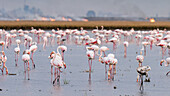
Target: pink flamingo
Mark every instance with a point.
(166, 63)
(114, 41)
(63, 49)
(163, 45)
(103, 59)
(58, 63)
(90, 55)
(3, 60)
(112, 65)
(140, 59)
(125, 43)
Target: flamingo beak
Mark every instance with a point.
(161, 62)
(29, 52)
(87, 44)
(64, 66)
(88, 55)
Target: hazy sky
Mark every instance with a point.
(140, 8)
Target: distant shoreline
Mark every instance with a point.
(126, 25)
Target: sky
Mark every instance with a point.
(131, 8)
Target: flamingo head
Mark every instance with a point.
(162, 62)
(53, 52)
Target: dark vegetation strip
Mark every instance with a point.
(137, 25)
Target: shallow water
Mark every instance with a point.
(78, 80)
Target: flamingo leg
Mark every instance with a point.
(59, 76)
(125, 52)
(33, 64)
(104, 54)
(89, 65)
(141, 85)
(109, 72)
(105, 71)
(144, 50)
(5, 68)
(89, 76)
(51, 69)
(55, 71)
(28, 70)
(56, 78)
(55, 75)
(15, 60)
(24, 68)
(114, 71)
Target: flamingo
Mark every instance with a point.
(103, 59)
(125, 43)
(58, 63)
(95, 30)
(168, 46)
(112, 64)
(144, 45)
(96, 49)
(90, 55)
(51, 59)
(45, 42)
(28, 39)
(26, 59)
(97, 41)
(32, 49)
(166, 63)
(143, 70)
(63, 49)
(140, 59)
(114, 40)
(103, 49)
(17, 51)
(163, 45)
(3, 60)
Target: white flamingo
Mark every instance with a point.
(17, 51)
(26, 59)
(32, 49)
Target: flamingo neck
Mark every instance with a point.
(17, 45)
(100, 54)
(165, 63)
(58, 51)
